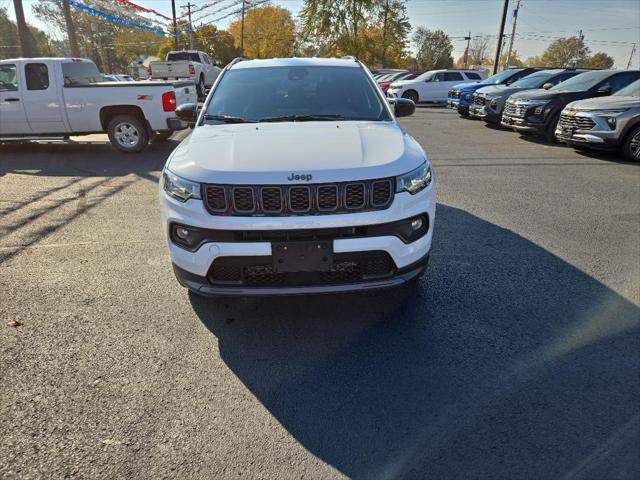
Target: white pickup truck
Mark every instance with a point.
(191, 64)
(54, 98)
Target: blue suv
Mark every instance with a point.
(461, 95)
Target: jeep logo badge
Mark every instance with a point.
(304, 178)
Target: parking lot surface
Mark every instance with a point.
(518, 357)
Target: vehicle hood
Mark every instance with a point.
(402, 83)
(268, 153)
(610, 102)
(499, 90)
(468, 86)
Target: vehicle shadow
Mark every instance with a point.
(82, 159)
(508, 362)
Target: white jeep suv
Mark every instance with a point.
(285, 187)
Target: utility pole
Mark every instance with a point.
(175, 25)
(513, 33)
(71, 29)
(23, 31)
(188, 7)
(505, 9)
(581, 39)
(466, 52)
(633, 50)
(242, 31)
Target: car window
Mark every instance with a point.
(80, 73)
(535, 80)
(498, 78)
(206, 59)
(621, 80)
(183, 56)
(258, 93)
(37, 76)
(631, 90)
(453, 76)
(582, 82)
(472, 76)
(8, 78)
(438, 77)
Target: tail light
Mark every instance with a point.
(169, 101)
(149, 71)
(192, 69)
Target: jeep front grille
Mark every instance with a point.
(311, 199)
(577, 122)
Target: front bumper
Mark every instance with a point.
(520, 124)
(485, 112)
(193, 268)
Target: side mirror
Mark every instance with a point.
(604, 91)
(403, 107)
(547, 85)
(187, 112)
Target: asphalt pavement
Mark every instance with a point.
(518, 357)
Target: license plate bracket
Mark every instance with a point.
(304, 256)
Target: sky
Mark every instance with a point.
(611, 26)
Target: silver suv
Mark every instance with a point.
(607, 123)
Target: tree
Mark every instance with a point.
(516, 61)
(598, 60)
(478, 49)
(565, 52)
(392, 22)
(42, 43)
(269, 31)
(433, 49)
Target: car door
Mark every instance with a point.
(431, 88)
(42, 99)
(450, 79)
(13, 119)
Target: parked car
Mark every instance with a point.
(607, 123)
(187, 64)
(460, 96)
(488, 102)
(432, 86)
(307, 192)
(54, 98)
(538, 111)
(385, 82)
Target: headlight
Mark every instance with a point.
(610, 112)
(415, 180)
(536, 105)
(394, 85)
(179, 188)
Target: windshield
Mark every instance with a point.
(535, 80)
(582, 82)
(499, 78)
(182, 56)
(333, 93)
(424, 76)
(631, 90)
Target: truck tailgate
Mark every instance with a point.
(185, 93)
(170, 70)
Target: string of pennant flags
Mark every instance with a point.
(119, 14)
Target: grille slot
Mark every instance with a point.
(354, 196)
(381, 193)
(216, 198)
(271, 199)
(243, 199)
(513, 110)
(576, 121)
(327, 197)
(300, 199)
(309, 199)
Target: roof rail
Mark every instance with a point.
(236, 60)
(351, 57)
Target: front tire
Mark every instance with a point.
(128, 133)
(631, 146)
(411, 95)
(550, 134)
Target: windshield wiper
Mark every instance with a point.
(227, 119)
(301, 118)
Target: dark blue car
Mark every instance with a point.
(461, 95)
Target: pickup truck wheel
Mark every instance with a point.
(200, 88)
(631, 145)
(127, 133)
(411, 95)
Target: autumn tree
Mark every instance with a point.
(565, 52)
(478, 50)
(269, 31)
(516, 61)
(433, 49)
(598, 60)
(218, 44)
